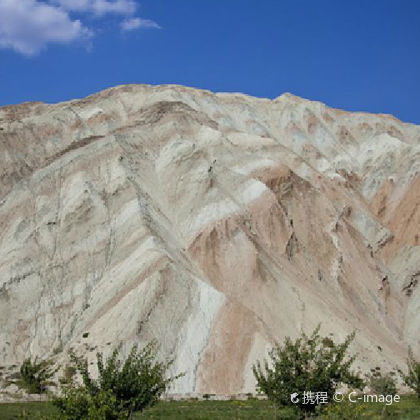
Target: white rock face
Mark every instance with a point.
(216, 223)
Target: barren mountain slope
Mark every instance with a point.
(216, 223)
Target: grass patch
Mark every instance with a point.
(407, 409)
(211, 410)
(33, 409)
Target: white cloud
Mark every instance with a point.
(136, 23)
(28, 25)
(99, 7)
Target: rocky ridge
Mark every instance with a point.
(216, 223)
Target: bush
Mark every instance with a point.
(77, 403)
(68, 374)
(127, 386)
(34, 376)
(344, 410)
(382, 384)
(310, 363)
(412, 379)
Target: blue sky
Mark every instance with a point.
(360, 55)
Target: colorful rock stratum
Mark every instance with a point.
(216, 223)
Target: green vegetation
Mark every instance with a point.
(77, 403)
(310, 363)
(412, 378)
(68, 375)
(343, 411)
(122, 388)
(131, 388)
(407, 409)
(382, 384)
(34, 376)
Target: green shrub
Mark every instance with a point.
(77, 403)
(344, 410)
(128, 385)
(310, 363)
(68, 374)
(34, 376)
(382, 384)
(412, 378)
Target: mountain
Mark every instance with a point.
(216, 223)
